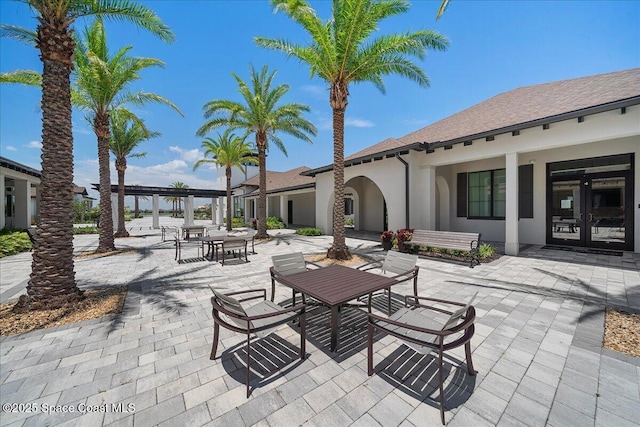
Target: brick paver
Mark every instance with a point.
(537, 347)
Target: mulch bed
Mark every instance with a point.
(622, 332)
(98, 302)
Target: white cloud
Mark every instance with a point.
(358, 123)
(174, 166)
(10, 148)
(34, 144)
(187, 155)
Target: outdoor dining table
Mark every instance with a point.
(334, 286)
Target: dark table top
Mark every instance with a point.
(336, 284)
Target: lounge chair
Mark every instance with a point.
(400, 266)
(259, 319)
(419, 325)
(289, 264)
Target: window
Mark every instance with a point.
(348, 206)
(483, 194)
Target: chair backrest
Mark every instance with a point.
(456, 315)
(230, 242)
(217, 233)
(398, 262)
(289, 263)
(229, 303)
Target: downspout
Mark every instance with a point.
(406, 189)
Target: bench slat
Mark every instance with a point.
(452, 240)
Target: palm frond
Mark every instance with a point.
(25, 77)
(18, 33)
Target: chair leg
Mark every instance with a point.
(273, 288)
(369, 349)
(467, 350)
(216, 335)
(441, 385)
(303, 335)
(389, 301)
(248, 361)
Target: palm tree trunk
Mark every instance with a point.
(105, 241)
(262, 189)
(52, 282)
(338, 249)
(121, 166)
(229, 222)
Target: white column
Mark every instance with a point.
(221, 209)
(511, 244)
(114, 210)
(284, 212)
(213, 211)
(188, 210)
(38, 199)
(155, 206)
(22, 191)
(3, 220)
(247, 209)
(428, 205)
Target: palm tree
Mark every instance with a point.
(52, 281)
(126, 135)
(342, 52)
(101, 86)
(260, 114)
(136, 209)
(173, 200)
(227, 151)
(442, 9)
(178, 200)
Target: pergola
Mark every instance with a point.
(155, 192)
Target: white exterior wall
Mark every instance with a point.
(602, 134)
(304, 209)
(238, 176)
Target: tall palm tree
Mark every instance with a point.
(227, 151)
(126, 135)
(52, 281)
(173, 200)
(342, 51)
(260, 114)
(178, 200)
(136, 209)
(101, 86)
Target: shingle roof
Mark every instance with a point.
(281, 181)
(519, 107)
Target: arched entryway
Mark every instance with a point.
(365, 205)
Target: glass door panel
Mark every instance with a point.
(566, 212)
(606, 210)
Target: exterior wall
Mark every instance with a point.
(238, 176)
(25, 209)
(387, 183)
(304, 209)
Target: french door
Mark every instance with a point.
(591, 210)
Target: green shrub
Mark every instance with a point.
(13, 241)
(237, 222)
(274, 222)
(86, 230)
(485, 250)
(349, 221)
(309, 231)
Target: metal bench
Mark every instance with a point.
(448, 240)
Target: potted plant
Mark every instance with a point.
(387, 239)
(404, 235)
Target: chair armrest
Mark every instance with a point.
(375, 317)
(313, 264)
(263, 290)
(298, 307)
(410, 273)
(370, 265)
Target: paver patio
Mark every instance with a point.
(537, 347)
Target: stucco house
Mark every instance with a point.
(290, 197)
(553, 163)
(19, 190)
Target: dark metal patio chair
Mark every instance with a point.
(259, 319)
(288, 264)
(425, 331)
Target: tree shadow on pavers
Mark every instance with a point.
(159, 292)
(628, 261)
(417, 376)
(272, 358)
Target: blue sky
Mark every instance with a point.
(495, 46)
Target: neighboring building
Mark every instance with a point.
(290, 197)
(19, 192)
(553, 163)
(80, 194)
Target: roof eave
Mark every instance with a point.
(417, 146)
(430, 146)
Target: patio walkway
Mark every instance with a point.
(537, 347)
